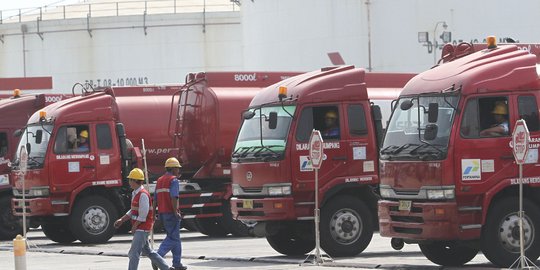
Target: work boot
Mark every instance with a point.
(178, 268)
(154, 266)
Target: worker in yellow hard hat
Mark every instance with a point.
(167, 196)
(331, 125)
(501, 126)
(82, 142)
(142, 219)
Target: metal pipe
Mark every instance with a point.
(117, 9)
(368, 4)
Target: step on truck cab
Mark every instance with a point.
(14, 114)
(273, 181)
(448, 176)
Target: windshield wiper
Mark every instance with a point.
(241, 151)
(388, 150)
(401, 148)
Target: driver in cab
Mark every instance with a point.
(331, 125)
(501, 127)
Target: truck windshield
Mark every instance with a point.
(256, 140)
(405, 134)
(37, 148)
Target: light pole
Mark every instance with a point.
(435, 42)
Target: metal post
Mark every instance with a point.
(317, 214)
(117, 9)
(147, 186)
(368, 6)
(64, 10)
(89, 10)
(174, 6)
(24, 206)
(20, 15)
(1, 17)
(521, 243)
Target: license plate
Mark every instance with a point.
(405, 206)
(248, 204)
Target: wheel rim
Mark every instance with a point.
(509, 232)
(95, 220)
(346, 226)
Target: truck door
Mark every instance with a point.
(482, 153)
(328, 119)
(528, 110)
(108, 155)
(362, 152)
(74, 157)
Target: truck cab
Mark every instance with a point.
(448, 176)
(74, 185)
(273, 180)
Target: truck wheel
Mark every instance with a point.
(58, 232)
(92, 219)
(10, 225)
(448, 253)
(500, 235)
(346, 226)
(287, 242)
(211, 227)
(235, 227)
(189, 224)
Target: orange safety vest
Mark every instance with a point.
(146, 225)
(163, 191)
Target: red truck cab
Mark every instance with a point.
(448, 176)
(14, 113)
(273, 181)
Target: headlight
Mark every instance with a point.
(236, 190)
(386, 192)
(39, 192)
(440, 194)
(279, 190)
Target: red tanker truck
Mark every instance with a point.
(82, 191)
(14, 114)
(448, 176)
(273, 181)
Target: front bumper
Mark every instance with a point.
(425, 221)
(264, 209)
(39, 207)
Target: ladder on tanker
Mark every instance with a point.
(179, 131)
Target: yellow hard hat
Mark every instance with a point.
(136, 174)
(84, 134)
(331, 114)
(172, 163)
(500, 108)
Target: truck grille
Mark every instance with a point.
(413, 209)
(407, 219)
(407, 230)
(252, 189)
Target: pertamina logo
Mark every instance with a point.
(470, 169)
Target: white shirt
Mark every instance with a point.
(144, 205)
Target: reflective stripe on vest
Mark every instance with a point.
(163, 193)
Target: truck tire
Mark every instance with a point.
(287, 242)
(58, 232)
(235, 227)
(10, 225)
(448, 253)
(92, 220)
(346, 226)
(211, 227)
(189, 224)
(500, 234)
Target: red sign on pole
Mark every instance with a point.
(316, 152)
(520, 141)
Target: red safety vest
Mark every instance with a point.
(147, 225)
(163, 190)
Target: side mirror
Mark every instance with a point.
(39, 136)
(28, 148)
(430, 133)
(17, 133)
(248, 114)
(406, 104)
(433, 112)
(272, 120)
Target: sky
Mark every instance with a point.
(10, 4)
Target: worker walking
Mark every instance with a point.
(166, 196)
(141, 215)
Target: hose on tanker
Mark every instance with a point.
(85, 88)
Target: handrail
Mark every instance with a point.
(113, 8)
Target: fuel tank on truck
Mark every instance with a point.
(209, 117)
(145, 112)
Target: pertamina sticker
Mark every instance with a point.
(471, 170)
(305, 164)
